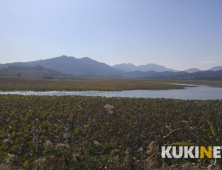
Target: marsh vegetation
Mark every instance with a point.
(42, 132)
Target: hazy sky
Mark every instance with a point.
(178, 34)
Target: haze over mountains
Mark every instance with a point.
(86, 67)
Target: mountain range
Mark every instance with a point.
(180, 75)
(148, 67)
(85, 67)
(157, 68)
(71, 65)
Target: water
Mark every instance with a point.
(200, 92)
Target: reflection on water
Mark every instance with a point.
(198, 92)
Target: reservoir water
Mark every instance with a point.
(200, 92)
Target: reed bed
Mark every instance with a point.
(38, 84)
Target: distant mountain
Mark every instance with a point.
(217, 68)
(180, 75)
(156, 75)
(204, 75)
(148, 67)
(192, 70)
(71, 65)
(126, 67)
(36, 71)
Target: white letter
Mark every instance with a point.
(216, 152)
(188, 152)
(197, 153)
(180, 154)
(166, 152)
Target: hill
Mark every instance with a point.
(36, 71)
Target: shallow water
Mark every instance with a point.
(198, 92)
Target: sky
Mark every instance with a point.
(178, 34)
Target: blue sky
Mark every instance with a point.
(178, 34)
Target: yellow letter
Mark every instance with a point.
(204, 151)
